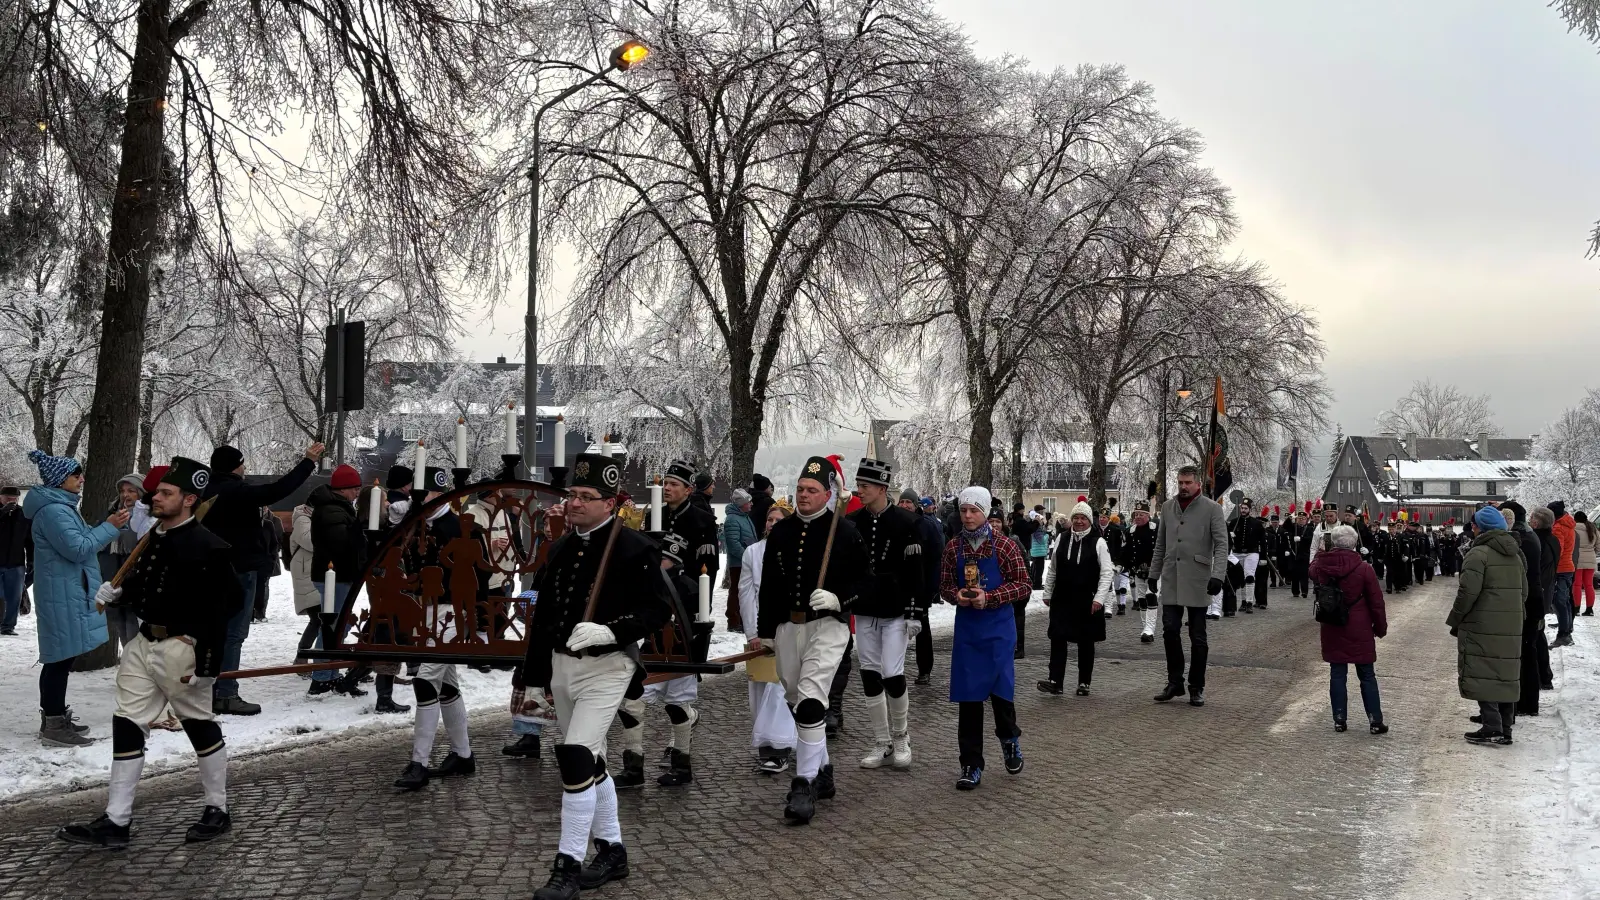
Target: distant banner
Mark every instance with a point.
(1289, 466)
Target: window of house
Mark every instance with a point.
(1416, 487)
(1455, 488)
(1492, 488)
(1049, 505)
(538, 432)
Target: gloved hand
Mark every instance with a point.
(822, 600)
(766, 643)
(1363, 551)
(1152, 582)
(913, 628)
(589, 634)
(1214, 586)
(106, 595)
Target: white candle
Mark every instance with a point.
(328, 592)
(704, 613)
(655, 506)
(418, 482)
(511, 429)
(374, 507)
(461, 443)
(561, 441)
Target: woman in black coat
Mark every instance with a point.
(1077, 591)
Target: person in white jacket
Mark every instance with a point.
(773, 733)
(1077, 590)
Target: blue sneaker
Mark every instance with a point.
(1013, 750)
(971, 777)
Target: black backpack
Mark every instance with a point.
(1330, 605)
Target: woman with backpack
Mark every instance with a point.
(1349, 604)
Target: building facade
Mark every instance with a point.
(1437, 479)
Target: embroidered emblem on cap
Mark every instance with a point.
(201, 479)
(813, 468)
(581, 470)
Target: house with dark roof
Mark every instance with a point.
(1438, 479)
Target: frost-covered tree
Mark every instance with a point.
(1335, 449)
(430, 410)
(1438, 411)
(1566, 459)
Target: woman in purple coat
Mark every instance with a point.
(1354, 642)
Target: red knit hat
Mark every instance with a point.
(345, 477)
(153, 477)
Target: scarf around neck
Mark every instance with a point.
(975, 539)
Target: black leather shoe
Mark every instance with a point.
(1050, 687)
(455, 765)
(563, 883)
(387, 705)
(1197, 697)
(102, 832)
(801, 804)
(525, 747)
(414, 778)
(1170, 691)
(214, 823)
(234, 706)
(610, 863)
(681, 773)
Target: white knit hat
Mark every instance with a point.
(977, 495)
(1083, 509)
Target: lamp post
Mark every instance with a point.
(623, 58)
(1392, 483)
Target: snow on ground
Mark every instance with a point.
(1576, 702)
(288, 717)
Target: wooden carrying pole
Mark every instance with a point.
(744, 656)
(600, 576)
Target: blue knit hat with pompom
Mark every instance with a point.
(53, 469)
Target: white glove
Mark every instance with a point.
(1363, 551)
(766, 643)
(106, 595)
(589, 634)
(913, 628)
(824, 600)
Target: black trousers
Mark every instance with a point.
(1261, 588)
(1420, 570)
(1172, 640)
(263, 592)
(924, 646)
(1058, 661)
(53, 686)
(1020, 610)
(969, 727)
(1036, 571)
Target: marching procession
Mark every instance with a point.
(849, 564)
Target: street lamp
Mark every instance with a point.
(622, 59)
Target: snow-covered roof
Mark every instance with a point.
(1074, 452)
(1460, 469)
(444, 407)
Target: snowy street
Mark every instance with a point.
(1255, 796)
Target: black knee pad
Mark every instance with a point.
(1249, 579)
(628, 720)
(677, 714)
(577, 764)
(425, 692)
(599, 769)
(127, 739)
(205, 736)
(871, 683)
(809, 712)
(895, 685)
(449, 694)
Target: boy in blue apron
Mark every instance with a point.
(983, 573)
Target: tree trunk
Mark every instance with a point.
(980, 444)
(1016, 465)
(1163, 426)
(131, 243)
(146, 427)
(744, 435)
(1097, 460)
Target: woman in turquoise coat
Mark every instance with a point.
(66, 574)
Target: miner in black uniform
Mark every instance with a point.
(1116, 534)
(1136, 552)
(584, 663)
(1249, 539)
(802, 617)
(889, 613)
(183, 589)
(1300, 576)
(1421, 552)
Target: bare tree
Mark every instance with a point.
(1438, 410)
(1566, 459)
(741, 169)
(387, 84)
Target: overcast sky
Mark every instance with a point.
(1421, 174)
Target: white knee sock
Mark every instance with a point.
(214, 778)
(1151, 617)
(812, 753)
(427, 725)
(899, 712)
(454, 713)
(878, 715)
(124, 781)
(577, 816)
(606, 825)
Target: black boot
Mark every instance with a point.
(823, 788)
(1197, 697)
(1170, 691)
(1485, 736)
(563, 883)
(632, 774)
(414, 778)
(1051, 687)
(681, 772)
(610, 864)
(387, 705)
(214, 823)
(832, 721)
(102, 832)
(525, 747)
(455, 765)
(801, 804)
(318, 688)
(350, 685)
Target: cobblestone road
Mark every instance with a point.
(1253, 796)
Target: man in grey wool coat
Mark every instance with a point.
(1187, 568)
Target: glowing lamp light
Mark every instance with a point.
(629, 55)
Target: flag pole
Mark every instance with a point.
(1211, 442)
